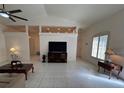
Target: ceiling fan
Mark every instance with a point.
(9, 14)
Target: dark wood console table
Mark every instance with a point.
(57, 57)
(23, 69)
(109, 67)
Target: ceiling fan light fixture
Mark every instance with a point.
(4, 15)
(9, 14)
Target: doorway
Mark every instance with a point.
(34, 43)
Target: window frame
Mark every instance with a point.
(98, 35)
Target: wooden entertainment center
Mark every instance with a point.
(57, 52)
(59, 57)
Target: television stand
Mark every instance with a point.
(57, 57)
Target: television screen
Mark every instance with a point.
(57, 46)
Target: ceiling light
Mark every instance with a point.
(4, 15)
(58, 29)
(29, 37)
(48, 28)
(69, 29)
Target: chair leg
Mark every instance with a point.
(104, 70)
(118, 74)
(32, 69)
(110, 74)
(98, 68)
(25, 75)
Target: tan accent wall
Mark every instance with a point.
(34, 39)
(19, 28)
(79, 43)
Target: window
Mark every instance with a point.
(99, 46)
(95, 46)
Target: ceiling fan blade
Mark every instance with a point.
(12, 19)
(18, 17)
(15, 11)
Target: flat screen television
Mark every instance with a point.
(57, 46)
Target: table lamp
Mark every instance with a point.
(12, 50)
(13, 54)
(108, 53)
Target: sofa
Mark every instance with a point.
(12, 81)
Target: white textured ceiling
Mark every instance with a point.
(83, 14)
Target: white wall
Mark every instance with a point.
(47, 21)
(3, 56)
(20, 41)
(115, 25)
(71, 40)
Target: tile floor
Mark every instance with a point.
(78, 74)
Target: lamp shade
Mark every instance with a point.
(110, 51)
(12, 49)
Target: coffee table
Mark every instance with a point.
(22, 69)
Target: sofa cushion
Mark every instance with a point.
(12, 81)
